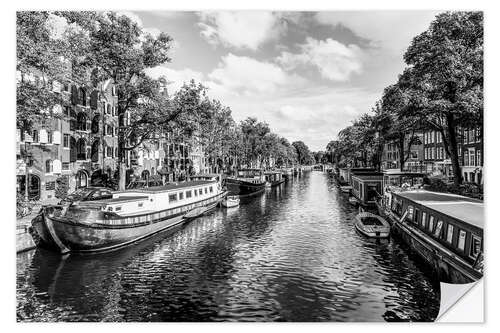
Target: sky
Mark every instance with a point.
(307, 74)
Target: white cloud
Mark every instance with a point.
(176, 78)
(392, 30)
(334, 60)
(241, 30)
(246, 75)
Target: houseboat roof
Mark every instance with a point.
(459, 207)
(368, 176)
(397, 172)
(170, 187)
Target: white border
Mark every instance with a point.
(492, 111)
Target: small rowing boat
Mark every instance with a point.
(372, 225)
(231, 201)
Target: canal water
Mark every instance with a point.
(290, 254)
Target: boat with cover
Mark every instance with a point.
(372, 225)
(129, 216)
(231, 201)
(247, 182)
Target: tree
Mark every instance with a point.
(119, 50)
(447, 66)
(398, 118)
(303, 153)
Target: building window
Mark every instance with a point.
(466, 157)
(472, 157)
(449, 234)
(108, 109)
(478, 158)
(109, 151)
(65, 166)
(172, 197)
(475, 246)
(35, 136)
(48, 166)
(66, 140)
(49, 137)
(461, 240)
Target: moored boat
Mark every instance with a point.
(231, 201)
(247, 182)
(129, 216)
(372, 225)
(445, 230)
(353, 201)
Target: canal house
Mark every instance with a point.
(446, 230)
(366, 186)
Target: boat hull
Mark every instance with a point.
(372, 234)
(240, 187)
(446, 265)
(64, 235)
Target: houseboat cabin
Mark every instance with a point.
(158, 198)
(394, 178)
(445, 224)
(274, 178)
(367, 186)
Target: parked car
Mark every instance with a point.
(88, 194)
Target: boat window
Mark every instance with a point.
(439, 227)
(475, 246)
(424, 218)
(449, 234)
(431, 223)
(410, 213)
(461, 240)
(181, 195)
(188, 194)
(201, 191)
(140, 204)
(206, 190)
(172, 197)
(417, 216)
(110, 209)
(211, 189)
(195, 193)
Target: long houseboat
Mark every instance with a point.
(129, 216)
(247, 182)
(446, 230)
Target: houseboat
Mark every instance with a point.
(274, 178)
(246, 182)
(366, 186)
(446, 230)
(131, 215)
(397, 181)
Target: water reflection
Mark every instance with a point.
(288, 254)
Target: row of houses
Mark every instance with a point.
(79, 142)
(428, 155)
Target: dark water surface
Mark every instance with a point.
(291, 254)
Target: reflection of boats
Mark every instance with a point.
(231, 201)
(129, 216)
(247, 182)
(372, 225)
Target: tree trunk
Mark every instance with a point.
(401, 144)
(450, 122)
